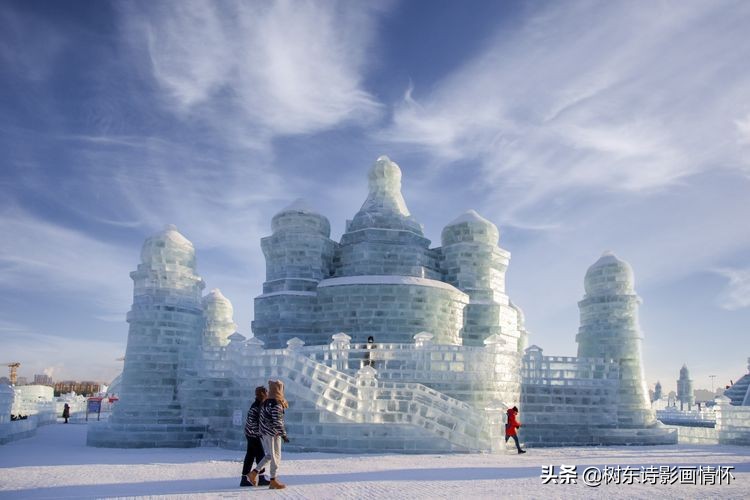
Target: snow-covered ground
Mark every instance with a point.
(57, 464)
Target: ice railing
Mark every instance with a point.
(702, 418)
(364, 399)
(472, 374)
(566, 370)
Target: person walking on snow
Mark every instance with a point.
(272, 430)
(66, 412)
(252, 433)
(512, 427)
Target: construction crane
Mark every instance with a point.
(13, 365)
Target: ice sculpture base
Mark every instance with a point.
(114, 435)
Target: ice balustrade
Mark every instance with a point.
(694, 418)
(364, 399)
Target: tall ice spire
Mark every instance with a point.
(384, 207)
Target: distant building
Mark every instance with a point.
(85, 388)
(22, 381)
(42, 379)
(657, 392)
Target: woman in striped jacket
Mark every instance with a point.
(252, 433)
(272, 431)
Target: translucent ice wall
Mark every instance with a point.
(7, 395)
(610, 329)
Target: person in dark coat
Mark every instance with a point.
(368, 357)
(252, 433)
(66, 412)
(273, 432)
(512, 426)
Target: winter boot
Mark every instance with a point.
(253, 478)
(276, 485)
(262, 481)
(521, 451)
(244, 482)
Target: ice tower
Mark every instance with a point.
(299, 255)
(473, 262)
(685, 394)
(164, 345)
(609, 329)
(218, 313)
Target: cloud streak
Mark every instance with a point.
(737, 292)
(278, 67)
(601, 96)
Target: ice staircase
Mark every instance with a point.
(335, 404)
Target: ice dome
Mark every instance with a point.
(217, 304)
(218, 313)
(168, 246)
(385, 207)
(301, 217)
(470, 226)
(609, 276)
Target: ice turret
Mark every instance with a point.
(383, 238)
(384, 207)
(219, 325)
(474, 263)
(609, 329)
(163, 348)
(298, 254)
(685, 394)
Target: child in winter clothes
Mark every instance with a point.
(272, 432)
(252, 433)
(512, 426)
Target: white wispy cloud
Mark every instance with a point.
(736, 295)
(266, 67)
(39, 256)
(620, 96)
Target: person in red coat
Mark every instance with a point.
(511, 428)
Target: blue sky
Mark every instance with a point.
(577, 127)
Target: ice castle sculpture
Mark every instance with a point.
(449, 353)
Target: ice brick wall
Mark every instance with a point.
(732, 422)
(478, 376)
(564, 398)
(390, 308)
(385, 252)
